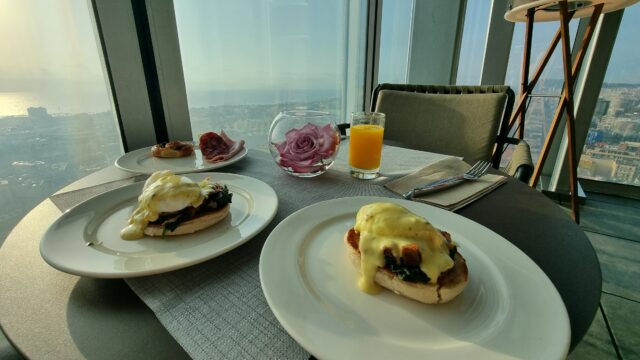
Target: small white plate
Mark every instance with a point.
(509, 310)
(100, 219)
(141, 161)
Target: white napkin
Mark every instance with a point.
(454, 197)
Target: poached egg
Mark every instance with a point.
(390, 226)
(164, 192)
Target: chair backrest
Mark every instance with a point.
(465, 121)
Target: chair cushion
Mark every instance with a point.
(456, 124)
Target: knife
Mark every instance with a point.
(434, 186)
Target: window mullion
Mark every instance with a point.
(372, 52)
(116, 27)
(498, 45)
(168, 64)
(434, 47)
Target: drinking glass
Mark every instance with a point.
(304, 143)
(365, 144)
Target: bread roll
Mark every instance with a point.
(190, 226)
(172, 149)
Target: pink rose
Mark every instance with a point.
(304, 149)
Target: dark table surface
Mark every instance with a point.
(47, 313)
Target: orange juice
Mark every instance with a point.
(365, 146)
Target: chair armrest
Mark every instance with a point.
(523, 173)
(520, 166)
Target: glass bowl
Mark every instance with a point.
(304, 143)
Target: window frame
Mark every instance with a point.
(129, 73)
(555, 175)
(588, 87)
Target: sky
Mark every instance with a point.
(394, 41)
(476, 22)
(48, 48)
(44, 42)
(624, 66)
(49, 57)
(248, 44)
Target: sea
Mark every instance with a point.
(16, 103)
(208, 98)
(67, 102)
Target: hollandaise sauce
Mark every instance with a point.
(390, 226)
(164, 192)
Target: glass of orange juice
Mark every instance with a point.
(365, 144)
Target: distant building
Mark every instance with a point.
(602, 106)
(624, 173)
(625, 127)
(37, 112)
(594, 136)
(594, 168)
(621, 104)
(632, 147)
(606, 122)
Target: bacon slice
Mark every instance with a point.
(411, 257)
(219, 147)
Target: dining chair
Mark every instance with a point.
(466, 121)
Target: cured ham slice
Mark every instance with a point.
(219, 147)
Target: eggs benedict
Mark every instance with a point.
(174, 205)
(401, 251)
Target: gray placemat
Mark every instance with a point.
(216, 310)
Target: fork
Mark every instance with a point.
(474, 173)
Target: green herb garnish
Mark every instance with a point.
(216, 200)
(407, 273)
(173, 224)
(221, 198)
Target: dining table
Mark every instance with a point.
(196, 312)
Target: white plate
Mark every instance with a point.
(100, 219)
(141, 161)
(510, 309)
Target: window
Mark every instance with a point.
(245, 61)
(474, 40)
(56, 122)
(612, 149)
(546, 94)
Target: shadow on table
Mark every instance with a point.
(96, 312)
